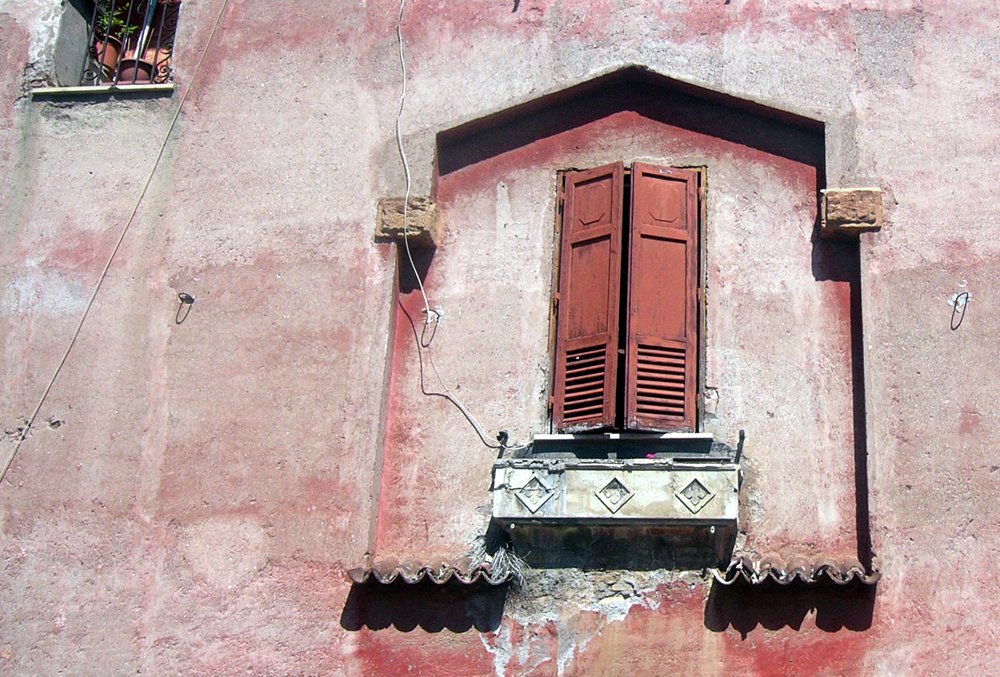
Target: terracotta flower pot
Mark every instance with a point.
(108, 49)
(135, 71)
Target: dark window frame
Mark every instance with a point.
(624, 417)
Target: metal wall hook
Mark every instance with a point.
(959, 306)
(184, 309)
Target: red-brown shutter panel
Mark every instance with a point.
(589, 289)
(662, 299)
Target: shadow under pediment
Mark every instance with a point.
(651, 95)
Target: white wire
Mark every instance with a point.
(421, 343)
(406, 166)
(468, 414)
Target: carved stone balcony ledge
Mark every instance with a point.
(620, 500)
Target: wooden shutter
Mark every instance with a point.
(589, 289)
(661, 351)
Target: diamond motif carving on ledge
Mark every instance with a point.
(534, 494)
(614, 495)
(695, 496)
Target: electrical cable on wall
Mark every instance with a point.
(114, 251)
(423, 340)
(406, 175)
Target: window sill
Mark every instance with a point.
(631, 445)
(90, 90)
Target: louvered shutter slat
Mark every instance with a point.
(661, 350)
(589, 289)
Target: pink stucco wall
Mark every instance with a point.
(208, 482)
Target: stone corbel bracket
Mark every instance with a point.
(848, 212)
(423, 226)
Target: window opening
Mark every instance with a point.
(128, 42)
(627, 301)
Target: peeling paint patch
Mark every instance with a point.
(43, 291)
(499, 645)
(43, 25)
(40, 20)
(226, 551)
(559, 612)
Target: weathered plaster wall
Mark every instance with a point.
(778, 343)
(191, 493)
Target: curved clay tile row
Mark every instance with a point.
(753, 570)
(775, 568)
(462, 570)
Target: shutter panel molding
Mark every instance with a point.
(588, 297)
(662, 318)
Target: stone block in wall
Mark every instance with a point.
(423, 227)
(850, 211)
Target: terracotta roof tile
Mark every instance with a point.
(462, 570)
(756, 569)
